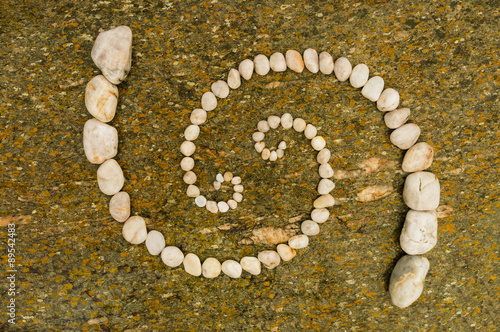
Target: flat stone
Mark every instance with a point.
(100, 141)
(405, 136)
(119, 206)
(418, 157)
(407, 280)
(155, 242)
(192, 264)
(419, 234)
(110, 177)
(134, 230)
(101, 98)
(421, 191)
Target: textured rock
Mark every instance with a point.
(101, 98)
(419, 234)
(373, 193)
(100, 141)
(110, 177)
(421, 191)
(418, 158)
(119, 206)
(134, 230)
(270, 235)
(407, 280)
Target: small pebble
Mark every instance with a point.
(388, 100)
(251, 265)
(220, 89)
(259, 146)
(309, 228)
(212, 206)
(405, 136)
(134, 230)
(223, 206)
(266, 154)
(201, 201)
(318, 143)
(172, 256)
(110, 177)
(418, 158)
(342, 69)
(310, 131)
(325, 171)
(192, 191)
(274, 121)
(258, 136)
(407, 280)
(320, 215)
(187, 164)
(421, 191)
(232, 204)
(273, 156)
(238, 188)
(211, 268)
(282, 145)
(246, 69)
(101, 98)
(419, 234)
(298, 241)
(232, 268)
(236, 180)
(228, 176)
(286, 252)
(311, 60)
(323, 156)
(277, 62)
(100, 141)
(261, 63)
(359, 76)
(286, 121)
(119, 206)
(269, 258)
(294, 61)
(187, 148)
(198, 116)
(234, 79)
(219, 177)
(280, 153)
(397, 118)
(299, 125)
(326, 65)
(325, 186)
(192, 264)
(238, 197)
(155, 242)
(373, 88)
(263, 126)
(189, 177)
(324, 201)
(208, 101)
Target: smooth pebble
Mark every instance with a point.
(208, 101)
(309, 228)
(342, 69)
(277, 62)
(419, 234)
(318, 143)
(238, 188)
(397, 118)
(421, 191)
(388, 100)
(286, 252)
(418, 158)
(298, 241)
(282, 145)
(187, 164)
(294, 61)
(261, 63)
(310, 131)
(134, 230)
(251, 265)
(405, 136)
(326, 64)
(201, 201)
(187, 148)
(286, 121)
(273, 156)
(324, 201)
(280, 153)
(258, 136)
(192, 264)
(219, 177)
(269, 258)
(100, 141)
(220, 89)
(223, 206)
(299, 125)
(238, 197)
(155, 242)
(212, 206)
(198, 116)
(311, 60)
(232, 204)
(273, 121)
(191, 133)
(211, 268)
(266, 153)
(234, 79)
(263, 126)
(228, 176)
(323, 156)
(192, 191)
(246, 69)
(259, 146)
(407, 280)
(232, 268)
(325, 171)
(189, 177)
(172, 256)
(325, 186)
(110, 177)
(373, 88)
(119, 206)
(359, 76)
(101, 98)
(320, 215)
(236, 180)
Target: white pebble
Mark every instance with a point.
(101, 98)
(192, 264)
(192, 191)
(100, 141)
(263, 126)
(419, 234)
(134, 230)
(421, 191)
(251, 265)
(342, 69)
(323, 156)
(309, 228)
(310, 131)
(405, 136)
(246, 69)
(232, 268)
(189, 177)
(318, 143)
(320, 215)
(191, 133)
(172, 256)
(261, 63)
(258, 136)
(286, 252)
(277, 62)
(274, 121)
(187, 164)
(299, 125)
(198, 116)
(282, 145)
(298, 241)
(234, 79)
(280, 153)
(232, 204)
(269, 258)
(238, 197)
(259, 146)
(324, 201)
(325, 186)
(212, 206)
(388, 100)
(311, 60)
(397, 118)
(211, 268)
(407, 280)
(273, 156)
(326, 65)
(201, 201)
(208, 101)
(187, 148)
(220, 89)
(119, 206)
(325, 171)
(373, 88)
(219, 177)
(359, 76)
(223, 206)
(294, 61)
(110, 177)
(236, 180)
(265, 154)
(155, 242)
(418, 158)
(286, 121)
(238, 188)
(228, 176)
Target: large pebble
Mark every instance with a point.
(211, 268)
(223, 206)
(220, 89)
(309, 228)
(172, 256)
(311, 60)
(155, 242)
(294, 61)
(234, 79)
(342, 69)
(101, 98)
(310, 131)
(324, 201)
(277, 62)
(261, 63)
(189, 177)
(388, 100)
(258, 136)
(405, 136)
(323, 156)
(325, 186)
(100, 141)
(187, 148)
(274, 121)
(326, 64)
(263, 126)
(200, 201)
(134, 230)
(232, 268)
(192, 191)
(187, 164)
(269, 258)
(192, 132)
(397, 118)
(318, 143)
(325, 171)
(299, 125)
(286, 252)
(320, 215)
(359, 76)
(112, 53)
(192, 264)
(298, 241)
(407, 280)
(198, 116)
(373, 88)
(419, 234)
(110, 177)
(212, 206)
(418, 157)
(286, 121)
(119, 206)
(251, 265)
(208, 101)
(421, 191)
(246, 69)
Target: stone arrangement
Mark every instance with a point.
(112, 54)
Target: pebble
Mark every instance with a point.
(320, 215)
(324, 201)
(397, 118)
(298, 241)
(172, 256)
(323, 156)
(220, 89)
(277, 62)
(236, 180)
(110, 177)
(134, 230)
(208, 101)
(326, 65)
(342, 69)
(232, 204)
(192, 191)
(234, 79)
(269, 258)
(421, 191)
(192, 264)
(238, 188)
(359, 76)
(405, 136)
(258, 136)
(223, 206)
(198, 116)
(373, 88)
(325, 186)
(259, 146)
(310, 131)
(101, 98)
(282, 145)
(251, 265)
(286, 121)
(201, 201)
(246, 69)
(212, 206)
(261, 63)
(311, 60)
(294, 61)
(238, 197)
(155, 242)
(232, 268)
(187, 148)
(100, 141)
(211, 268)
(191, 133)
(388, 100)
(219, 177)
(309, 228)
(273, 156)
(189, 177)
(419, 234)
(325, 171)
(187, 164)
(273, 121)
(318, 143)
(407, 280)
(263, 126)
(299, 125)
(119, 206)
(266, 153)
(418, 158)
(112, 53)
(228, 176)
(286, 252)
(280, 153)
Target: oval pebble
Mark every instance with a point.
(198, 116)
(263, 126)
(310, 131)
(318, 143)
(212, 206)
(325, 171)
(234, 79)
(232, 268)
(192, 264)
(101, 98)
(228, 176)
(189, 177)
(405, 136)
(192, 191)
(324, 201)
(280, 153)
(219, 177)
(258, 136)
(238, 197)
(418, 158)
(282, 145)
(155, 242)
(236, 180)
(238, 188)
(342, 69)
(286, 252)
(407, 280)
(359, 76)
(273, 121)
(421, 191)
(246, 69)
(217, 185)
(187, 164)
(309, 228)
(294, 61)
(269, 258)
(311, 60)
(172, 256)
(208, 101)
(134, 230)
(299, 125)
(220, 89)
(110, 177)
(211, 268)
(266, 153)
(251, 265)
(298, 241)
(100, 141)
(419, 234)
(325, 186)
(232, 204)
(261, 63)
(223, 207)
(326, 64)
(119, 206)
(277, 62)
(323, 156)
(273, 156)
(286, 121)
(187, 148)
(397, 118)
(320, 215)
(200, 201)
(388, 100)
(373, 88)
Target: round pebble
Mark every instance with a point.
(119, 206)
(325, 171)
(172, 256)
(323, 156)
(134, 230)
(326, 64)
(282, 145)
(373, 88)
(318, 143)
(208, 101)
(219, 177)
(263, 126)
(299, 125)
(298, 241)
(280, 153)
(405, 136)
(388, 100)
(228, 176)
(261, 63)
(192, 191)
(273, 156)
(421, 191)
(238, 188)
(277, 62)
(110, 177)
(236, 180)
(309, 228)
(269, 258)
(320, 215)
(232, 204)
(101, 98)
(325, 186)
(266, 153)
(310, 131)
(359, 76)
(274, 121)
(324, 201)
(294, 61)
(238, 197)
(286, 252)
(100, 141)
(212, 206)
(234, 79)
(397, 118)
(198, 116)
(311, 60)
(246, 69)
(192, 264)
(187, 148)
(286, 121)
(232, 268)
(187, 164)
(251, 265)
(258, 136)
(223, 206)
(155, 242)
(189, 177)
(407, 280)
(211, 268)
(259, 146)
(201, 201)
(342, 69)
(419, 234)
(220, 89)
(418, 158)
